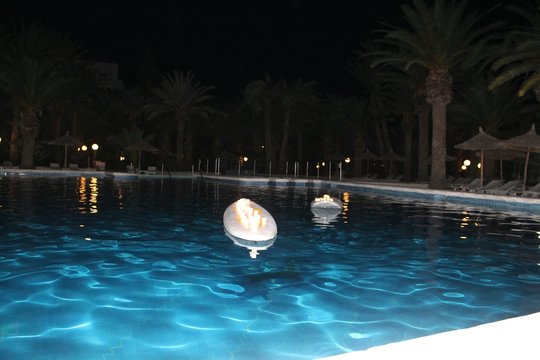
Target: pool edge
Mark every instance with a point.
(510, 338)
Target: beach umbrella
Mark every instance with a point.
(528, 142)
(501, 154)
(141, 146)
(65, 141)
(480, 142)
(368, 156)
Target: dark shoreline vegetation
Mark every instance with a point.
(423, 84)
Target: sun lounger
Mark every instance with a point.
(151, 170)
(100, 165)
(396, 179)
(531, 192)
(7, 164)
(504, 189)
(493, 184)
(459, 182)
(467, 186)
(369, 177)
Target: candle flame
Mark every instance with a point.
(325, 197)
(249, 217)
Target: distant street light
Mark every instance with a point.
(95, 147)
(85, 148)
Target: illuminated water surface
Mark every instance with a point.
(102, 269)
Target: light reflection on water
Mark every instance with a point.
(88, 195)
(152, 274)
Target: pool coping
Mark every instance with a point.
(514, 338)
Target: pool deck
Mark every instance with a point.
(514, 338)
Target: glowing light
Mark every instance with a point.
(323, 164)
(249, 217)
(122, 158)
(466, 162)
(325, 197)
(84, 148)
(463, 167)
(95, 147)
(345, 207)
(245, 158)
(317, 166)
(479, 165)
(347, 160)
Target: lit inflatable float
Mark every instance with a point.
(326, 209)
(326, 202)
(249, 225)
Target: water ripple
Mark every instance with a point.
(174, 285)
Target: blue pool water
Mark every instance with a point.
(102, 269)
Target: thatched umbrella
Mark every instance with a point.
(368, 155)
(141, 146)
(65, 141)
(501, 154)
(528, 142)
(482, 142)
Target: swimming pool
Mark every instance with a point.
(98, 268)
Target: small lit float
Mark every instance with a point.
(326, 209)
(249, 225)
(326, 202)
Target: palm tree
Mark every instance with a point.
(182, 98)
(36, 69)
(130, 136)
(440, 38)
(358, 116)
(376, 85)
(131, 103)
(522, 58)
(291, 96)
(258, 95)
(497, 111)
(492, 110)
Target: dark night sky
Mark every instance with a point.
(227, 43)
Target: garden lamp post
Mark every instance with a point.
(95, 147)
